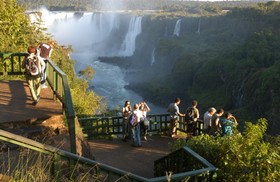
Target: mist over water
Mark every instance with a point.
(89, 34)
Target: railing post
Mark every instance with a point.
(72, 133)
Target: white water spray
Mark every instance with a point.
(153, 59)
(135, 28)
(177, 28)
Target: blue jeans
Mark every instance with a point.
(136, 135)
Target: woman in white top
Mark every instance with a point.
(144, 124)
(136, 128)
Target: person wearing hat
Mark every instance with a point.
(44, 51)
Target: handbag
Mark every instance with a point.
(146, 122)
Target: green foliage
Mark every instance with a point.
(87, 73)
(15, 28)
(245, 157)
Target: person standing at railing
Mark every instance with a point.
(126, 111)
(215, 122)
(227, 123)
(144, 124)
(33, 68)
(174, 111)
(191, 117)
(136, 127)
(207, 119)
(44, 53)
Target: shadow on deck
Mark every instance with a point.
(16, 103)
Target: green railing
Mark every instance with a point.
(101, 171)
(57, 79)
(102, 126)
(185, 165)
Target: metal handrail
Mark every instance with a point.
(103, 126)
(47, 149)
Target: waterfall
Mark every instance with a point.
(103, 25)
(177, 28)
(135, 28)
(153, 59)
(198, 29)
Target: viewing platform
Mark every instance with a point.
(16, 106)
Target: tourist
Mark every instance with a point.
(33, 67)
(126, 111)
(44, 53)
(173, 109)
(207, 119)
(227, 124)
(144, 124)
(191, 117)
(136, 128)
(215, 123)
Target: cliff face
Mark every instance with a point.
(225, 61)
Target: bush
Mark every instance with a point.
(241, 157)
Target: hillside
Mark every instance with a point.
(232, 62)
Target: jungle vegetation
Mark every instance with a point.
(248, 156)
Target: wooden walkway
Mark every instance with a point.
(16, 103)
(122, 155)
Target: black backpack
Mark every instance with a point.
(32, 65)
(189, 115)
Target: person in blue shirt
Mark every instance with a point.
(227, 124)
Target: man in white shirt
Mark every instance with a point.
(207, 119)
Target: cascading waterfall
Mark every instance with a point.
(153, 59)
(103, 25)
(177, 28)
(198, 29)
(135, 28)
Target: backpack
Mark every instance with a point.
(32, 65)
(189, 116)
(132, 119)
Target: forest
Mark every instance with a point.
(231, 63)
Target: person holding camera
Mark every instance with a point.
(144, 122)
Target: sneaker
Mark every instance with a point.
(44, 86)
(35, 102)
